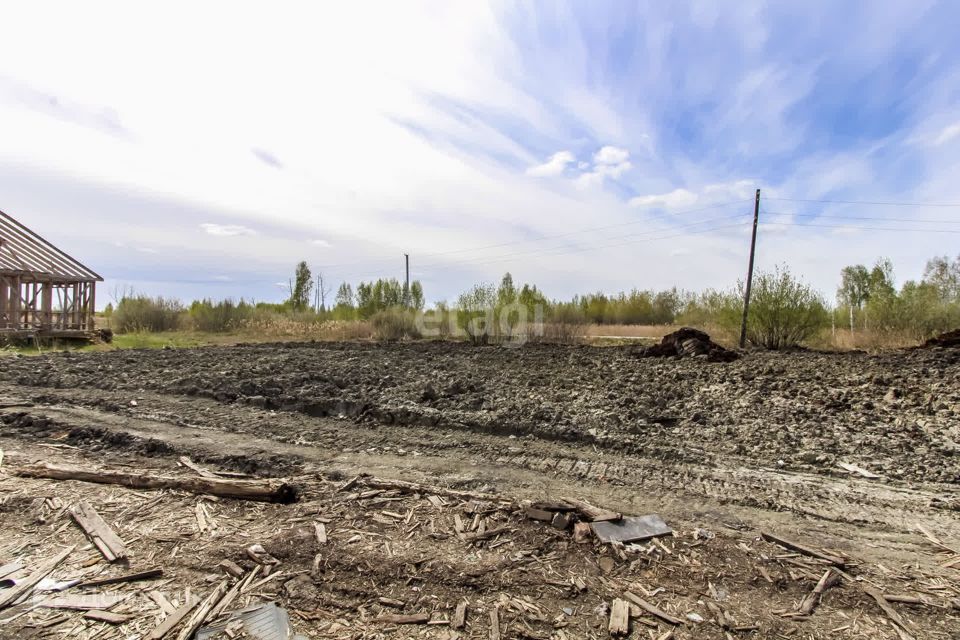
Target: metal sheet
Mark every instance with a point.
(631, 529)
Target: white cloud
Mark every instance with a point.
(611, 156)
(608, 162)
(947, 134)
(672, 200)
(227, 229)
(321, 243)
(555, 166)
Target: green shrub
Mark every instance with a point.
(394, 324)
(143, 313)
(219, 317)
(784, 311)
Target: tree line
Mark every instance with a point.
(785, 311)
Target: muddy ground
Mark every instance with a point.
(725, 448)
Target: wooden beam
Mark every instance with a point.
(46, 306)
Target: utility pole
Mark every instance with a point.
(753, 249)
(406, 289)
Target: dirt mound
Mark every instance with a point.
(687, 342)
(948, 339)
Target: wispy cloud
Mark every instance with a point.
(948, 133)
(227, 229)
(554, 166)
(615, 108)
(266, 158)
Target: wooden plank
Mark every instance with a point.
(107, 616)
(162, 602)
(190, 464)
(651, 609)
(460, 616)
(495, 624)
(799, 548)
(886, 608)
(852, 468)
(149, 574)
(619, 618)
(173, 619)
(203, 611)
(12, 567)
(14, 593)
(84, 602)
(99, 532)
(592, 513)
(397, 618)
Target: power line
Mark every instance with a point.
(859, 228)
(871, 202)
(836, 217)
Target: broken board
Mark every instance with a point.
(631, 529)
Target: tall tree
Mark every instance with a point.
(301, 287)
(344, 296)
(945, 276)
(416, 295)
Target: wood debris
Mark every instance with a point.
(99, 532)
(590, 512)
(619, 618)
(651, 609)
(261, 490)
(25, 586)
(805, 550)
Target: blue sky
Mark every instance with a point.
(202, 151)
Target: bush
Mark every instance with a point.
(567, 325)
(784, 312)
(394, 324)
(143, 313)
(219, 317)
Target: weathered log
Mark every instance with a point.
(267, 490)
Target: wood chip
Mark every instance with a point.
(320, 531)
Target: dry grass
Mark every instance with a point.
(845, 340)
(629, 330)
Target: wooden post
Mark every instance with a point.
(4, 302)
(15, 297)
(753, 249)
(46, 306)
(89, 322)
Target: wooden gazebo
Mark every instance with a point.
(44, 293)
